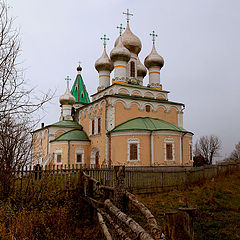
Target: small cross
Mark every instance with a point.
(153, 36)
(68, 79)
(79, 62)
(128, 14)
(121, 28)
(104, 40)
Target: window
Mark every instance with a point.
(148, 108)
(82, 94)
(58, 156)
(132, 69)
(99, 125)
(169, 149)
(93, 127)
(133, 150)
(190, 152)
(79, 156)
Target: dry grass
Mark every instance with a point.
(217, 203)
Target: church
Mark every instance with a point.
(126, 123)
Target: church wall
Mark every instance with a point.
(98, 141)
(122, 114)
(40, 145)
(80, 146)
(63, 147)
(120, 149)
(159, 150)
(187, 140)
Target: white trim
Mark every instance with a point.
(59, 142)
(167, 141)
(130, 133)
(130, 141)
(79, 151)
(58, 151)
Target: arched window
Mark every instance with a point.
(148, 108)
(99, 125)
(132, 69)
(93, 125)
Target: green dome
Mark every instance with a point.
(67, 124)
(148, 124)
(73, 135)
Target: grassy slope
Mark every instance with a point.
(217, 203)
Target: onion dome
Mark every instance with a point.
(153, 59)
(67, 98)
(141, 70)
(119, 52)
(79, 68)
(104, 62)
(130, 41)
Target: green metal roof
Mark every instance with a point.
(148, 124)
(67, 124)
(79, 91)
(73, 135)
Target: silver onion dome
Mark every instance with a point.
(120, 52)
(153, 59)
(130, 41)
(104, 62)
(67, 98)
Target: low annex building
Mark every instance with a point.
(125, 123)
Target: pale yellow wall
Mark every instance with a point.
(37, 148)
(59, 133)
(159, 151)
(64, 148)
(86, 149)
(119, 150)
(122, 114)
(98, 141)
(72, 146)
(186, 150)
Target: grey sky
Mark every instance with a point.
(198, 39)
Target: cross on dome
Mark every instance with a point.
(68, 79)
(153, 36)
(128, 14)
(121, 28)
(104, 38)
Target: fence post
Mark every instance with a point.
(90, 194)
(120, 199)
(179, 225)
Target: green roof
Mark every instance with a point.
(148, 124)
(79, 91)
(73, 135)
(67, 124)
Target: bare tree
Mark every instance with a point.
(208, 147)
(235, 155)
(15, 149)
(17, 103)
(15, 97)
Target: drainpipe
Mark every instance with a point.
(151, 149)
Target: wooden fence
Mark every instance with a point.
(139, 179)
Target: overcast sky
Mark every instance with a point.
(198, 39)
